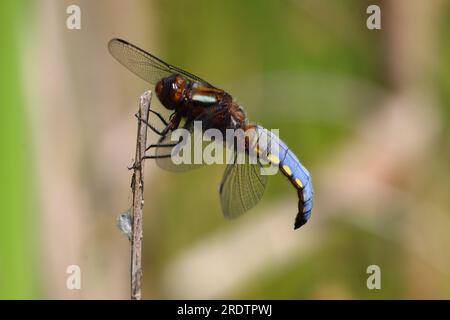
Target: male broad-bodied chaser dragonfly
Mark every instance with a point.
(194, 99)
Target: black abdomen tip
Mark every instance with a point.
(300, 220)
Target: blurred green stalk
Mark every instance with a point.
(17, 266)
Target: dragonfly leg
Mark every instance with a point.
(160, 117)
(162, 145)
(135, 166)
(174, 122)
(157, 156)
(158, 132)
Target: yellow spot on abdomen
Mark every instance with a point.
(287, 170)
(273, 158)
(298, 182)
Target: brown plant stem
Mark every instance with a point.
(137, 186)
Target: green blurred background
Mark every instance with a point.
(367, 112)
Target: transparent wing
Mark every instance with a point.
(145, 65)
(241, 188)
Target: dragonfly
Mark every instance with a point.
(193, 99)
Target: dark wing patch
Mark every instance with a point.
(171, 158)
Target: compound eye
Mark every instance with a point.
(159, 88)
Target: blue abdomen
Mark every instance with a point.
(278, 153)
(301, 179)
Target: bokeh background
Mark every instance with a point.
(366, 111)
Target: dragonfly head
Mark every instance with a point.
(170, 90)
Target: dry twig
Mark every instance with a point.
(137, 186)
